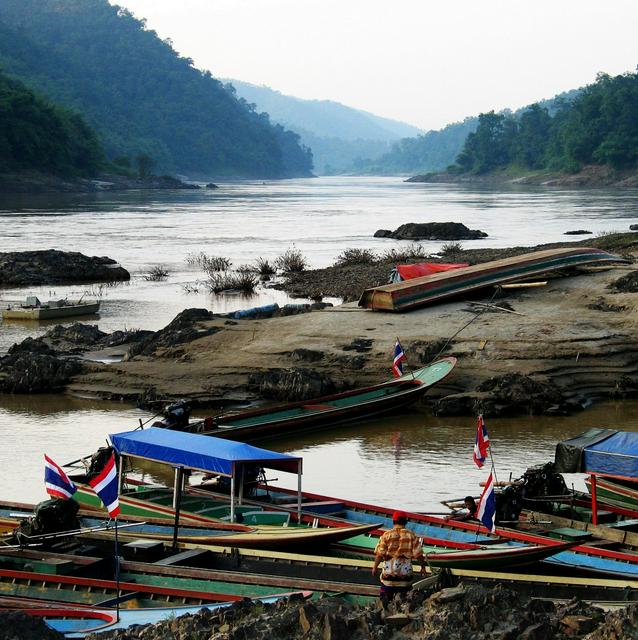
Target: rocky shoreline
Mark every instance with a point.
(549, 350)
(459, 613)
(34, 182)
(594, 176)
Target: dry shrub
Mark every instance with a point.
(291, 261)
(352, 256)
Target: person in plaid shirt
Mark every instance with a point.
(397, 549)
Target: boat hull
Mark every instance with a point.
(50, 313)
(376, 400)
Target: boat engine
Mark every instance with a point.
(98, 460)
(542, 488)
(508, 504)
(50, 517)
(175, 416)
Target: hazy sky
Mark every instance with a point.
(422, 61)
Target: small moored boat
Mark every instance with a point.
(33, 309)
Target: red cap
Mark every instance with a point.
(399, 515)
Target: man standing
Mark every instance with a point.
(397, 549)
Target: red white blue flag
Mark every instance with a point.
(399, 357)
(56, 481)
(486, 511)
(105, 485)
(482, 443)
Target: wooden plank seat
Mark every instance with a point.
(183, 558)
(567, 533)
(321, 506)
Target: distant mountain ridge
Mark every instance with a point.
(138, 93)
(337, 134)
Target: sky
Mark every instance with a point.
(425, 62)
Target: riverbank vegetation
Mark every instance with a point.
(139, 94)
(38, 136)
(600, 126)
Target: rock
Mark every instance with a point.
(577, 625)
(432, 231)
(577, 232)
(17, 625)
(212, 185)
(30, 268)
(426, 352)
(507, 395)
(451, 594)
(307, 355)
(627, 283)
(31, 345)
(292, 384)
(633, 227)
(618, 625)
(77, 336)
(360, 345)
(24, 372)
(182, 329)
(334, 628)
(601, 305)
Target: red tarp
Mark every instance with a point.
(409, 271)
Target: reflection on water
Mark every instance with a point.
(412, 461)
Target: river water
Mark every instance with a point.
(414, 460)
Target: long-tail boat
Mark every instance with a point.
(358, 404)
(235, 535)
(438, 287)
(494, 558)
(78, 622)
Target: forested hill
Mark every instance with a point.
(337, 134)
(436, 150)
(37, 136)
(599, 126)
(138, 93)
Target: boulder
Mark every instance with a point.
(633, 227)
(292, 384)
(212, 185)
(17, 625)
(577, 232)
(182, 329)
(627, 283)
(432, 231)
(507, 395)
(31, 268)
(26, 372)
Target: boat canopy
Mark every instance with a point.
(603, 451)
(203, 453)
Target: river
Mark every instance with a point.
(414, 460)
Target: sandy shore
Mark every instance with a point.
(563, 334)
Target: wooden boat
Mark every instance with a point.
(358, 404)
(234, 535)
(417, 292)
(587, 556)
(615, 492)
(495, 557)
(33, 309)
(78, 622)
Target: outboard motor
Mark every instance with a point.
(540, 485)
(508, 504)
(176, 416)
(50, 517)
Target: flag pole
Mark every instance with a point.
(117, 575)
(406, 359)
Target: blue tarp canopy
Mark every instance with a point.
(604, 451)
(203, 453)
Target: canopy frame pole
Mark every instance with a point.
(241, 484)
(120, 475)
(177, 501)
(299, 491)
(232, 494)
(594, 500)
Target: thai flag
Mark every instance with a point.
(399, 357)
(56, 481)
(482, 443)
(486, 511)
(105, 485)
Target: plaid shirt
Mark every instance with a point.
(399, 542)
